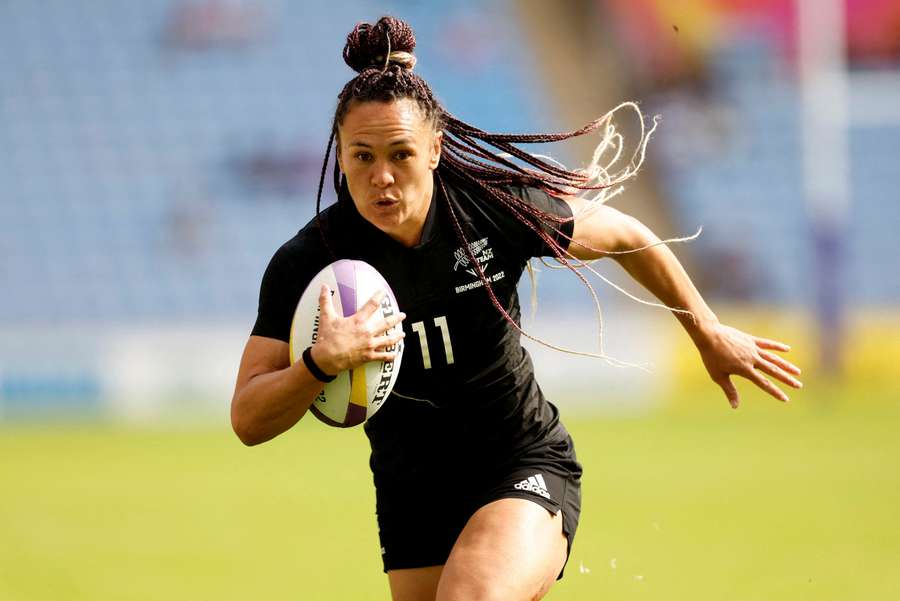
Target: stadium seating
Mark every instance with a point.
(125, 191)
(148, 176)
(732, 163)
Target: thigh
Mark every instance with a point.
(414, 584)
(511, 549)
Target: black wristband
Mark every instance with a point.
(314, 369)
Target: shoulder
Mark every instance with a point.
(307, 252)
(472, 198)
(310, 241)
(541, 200)
(291, 268)
(521, 221)
(472, 204)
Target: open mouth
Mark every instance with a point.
(385, 202)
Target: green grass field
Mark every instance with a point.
(768, 503)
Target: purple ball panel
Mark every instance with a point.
(345, 274)
(355, 415)
(360, 265)
(328, 420)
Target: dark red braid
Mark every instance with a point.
(367, 45)
(382, 56)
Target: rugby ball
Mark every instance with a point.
(356, 394)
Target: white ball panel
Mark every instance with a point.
(332, 403)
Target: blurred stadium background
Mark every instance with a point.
(156, 153)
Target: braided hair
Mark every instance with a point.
(382, 56)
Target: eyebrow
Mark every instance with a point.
(401, 142)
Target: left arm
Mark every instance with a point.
(725, 351)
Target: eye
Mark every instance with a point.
(402, 155)
(363, 156)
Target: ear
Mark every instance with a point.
(436, 150)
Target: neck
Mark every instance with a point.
(409, 234)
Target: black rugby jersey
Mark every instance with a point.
(466, 395)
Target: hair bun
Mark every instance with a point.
(388, 41)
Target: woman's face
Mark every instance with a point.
(388, 151)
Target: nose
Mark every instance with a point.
(382, 176)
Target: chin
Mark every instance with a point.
(386, 223)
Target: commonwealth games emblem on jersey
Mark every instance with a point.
(480, 250)
(483, 253)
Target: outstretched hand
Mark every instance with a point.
(348, 342)
(727, 351)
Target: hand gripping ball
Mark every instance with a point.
(356, 394)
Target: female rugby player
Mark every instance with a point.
(477, 483)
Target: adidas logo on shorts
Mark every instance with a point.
(534, 484)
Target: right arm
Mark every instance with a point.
(271, 395)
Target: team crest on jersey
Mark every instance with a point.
(483, 253)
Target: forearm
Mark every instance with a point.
(659, 271)
(606, 232)
(271, 403)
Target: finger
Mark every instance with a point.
(372, 305)
(761, 381)
(772, 344)
(780, 362)
(381, 356)
(392, 339)
(731, 393)
(326, 302)
(390, 322)
(387, 341)
(780, 374)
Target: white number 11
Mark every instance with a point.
(419, 328)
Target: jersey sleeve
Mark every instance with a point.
(278, 296)
(533, 245)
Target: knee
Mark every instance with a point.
(475, 587)
(474, 590)
(490, 594)
(542, 590)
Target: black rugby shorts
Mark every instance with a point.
(418, 523)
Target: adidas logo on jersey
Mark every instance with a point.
(534, 484)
